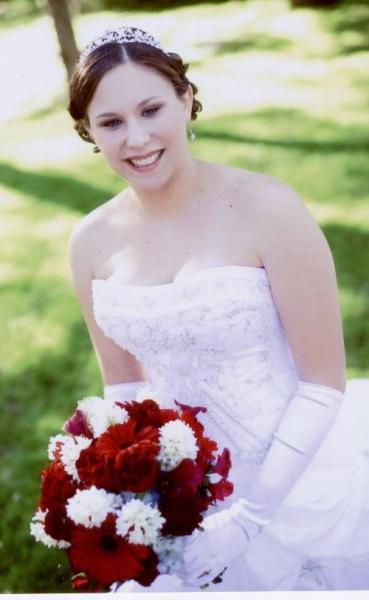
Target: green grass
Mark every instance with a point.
(283, 95)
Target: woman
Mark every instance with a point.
(216, 286)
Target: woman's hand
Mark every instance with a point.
(213, 547)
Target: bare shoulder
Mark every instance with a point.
(281, 212)
(260, 192)
(289, 238)
(273, 215)
(268, 203)
(88, 237)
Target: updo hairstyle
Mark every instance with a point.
(89, 71)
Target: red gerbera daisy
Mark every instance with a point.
(105, 556)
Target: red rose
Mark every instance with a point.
(205, 455)
(94, 469)
(223, 463)
(182, 514)
(184, 480)
(206, 446)
(136, 467)
(78, 425)
(193, 410)
(121, 436)
(105, 556)
(121, 459)
(58, 524)
(56, 486)
(144, 413)
(182, 499)
(220, 490)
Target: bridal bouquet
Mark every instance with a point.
(126, 484)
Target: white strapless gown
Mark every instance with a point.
(215, 339)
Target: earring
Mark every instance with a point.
(191, 134)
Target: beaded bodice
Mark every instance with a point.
(212, 339)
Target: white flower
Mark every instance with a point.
(54, 444)
(70, 451)
(37, 528)
(90, 507)
(177, 441)
(140, 521)
(101, 413)
(169, 550)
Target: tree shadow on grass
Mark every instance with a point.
(350, 25)
(250, 41)
(32, 401)
(291, 128)
(63, 190)
(294, 132)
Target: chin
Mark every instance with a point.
(146, 184)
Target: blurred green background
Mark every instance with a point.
(285, 91)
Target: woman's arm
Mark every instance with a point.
(117, 366)
(302, 276)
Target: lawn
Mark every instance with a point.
(284, 92)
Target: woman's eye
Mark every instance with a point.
(111, 124)
(152, 111)
(148, 112)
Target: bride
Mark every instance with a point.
(214, 286)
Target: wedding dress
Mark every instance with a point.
(214, 338)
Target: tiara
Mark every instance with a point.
(121, 35)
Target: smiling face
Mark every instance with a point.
(139, 123)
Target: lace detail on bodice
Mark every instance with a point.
(213, 339)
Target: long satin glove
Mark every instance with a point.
(122, 391)
(304, 426)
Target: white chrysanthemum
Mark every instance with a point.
(169, 550)
(140, 521)
(70, 452)
(177, 441)
(90, 507)
(101, 413)
(37, 528)
(53, 444)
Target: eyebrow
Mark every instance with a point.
(112, 114)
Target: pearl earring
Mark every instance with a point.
(191, 134)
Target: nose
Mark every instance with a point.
(136, 135)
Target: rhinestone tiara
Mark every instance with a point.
(121, 35)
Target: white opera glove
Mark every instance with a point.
(122, 391)
(304, 426)
(213, 548)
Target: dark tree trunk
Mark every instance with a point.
(64, 31)
(313, 3)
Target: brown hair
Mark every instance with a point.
(88, 73)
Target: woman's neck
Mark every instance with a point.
(178, 194)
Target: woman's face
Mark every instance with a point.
(136, 118)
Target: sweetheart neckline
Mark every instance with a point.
(251, 270)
